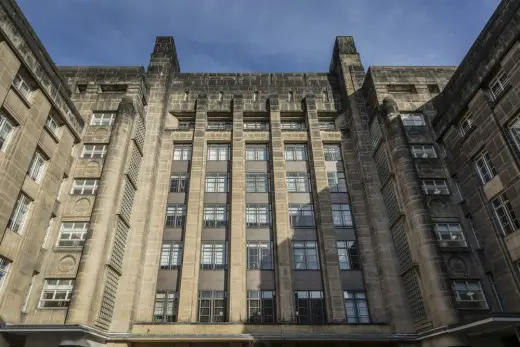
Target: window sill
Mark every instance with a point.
(65, 249)
(52, 308)
(271, 269)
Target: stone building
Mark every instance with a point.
(151, 207)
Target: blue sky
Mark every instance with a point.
(257, 35)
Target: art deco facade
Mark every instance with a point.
(151, 207)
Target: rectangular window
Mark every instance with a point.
(56, 293)
(296, 152)
(37, 167)
(412, 119)
(186, 125)
(178, 183)
(165, 306)
(218, 152)
(504, 214)
(257, 152)
(171, 255)
(469, 295)
(435, 187)
(310, 307)
(514, 131)
(182, 152)
(52, 124)
(257, 183)
(6, 129)
(301, 215)
(466, 124)
(212, 306)
(356, 306)
(498, 85)
(256, 126)
(484, 167)
(217, 183)
(22, 86)
(332, 152)
(102, 118)
(4, 269)
(293, 125)
(337, 182)
(19, 215)
(261, 307)
(305, 255)
(94, 151)
(258, 215)
(175, 215)
(341, 215)
(450, 234)
(259, 255)
(72, 234)
(217, 126)
(348, 255)
(213, 255)
(298, 182)
(215, 216)
(327, 125)
(84, 187)
(423, 151)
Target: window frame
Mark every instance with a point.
(293, 125)
(256, 126)
(423, 151)
(213, 255)
(305, 259)
(457, 294)
(343, 214)
(256, 179)
(501, 202)
(260, 152)
(314, 300)
(183, 151)
(432, 187)
(21, 208)
(450, 230)
(72, 230)
(175, 215)
(22, 86)
(258, 216)
(298, 182)
(91, 151)
(484, 167)
(348, 255)
(181, 179)
(514, 132)
(353, 299)
(172, 253)
(466, 124)
(334, 180)
(219, 182)
(85, 187)
(264, 301)
(413, 119)
(302, 210)
(5, 264)
(211, 298)
(102, 119)
(61, 288)
(52, 124)
(37, 167)
(219, 125)
(261, 260)
(296, 152)
(332, 152)
(501, 80)
(216, 210)
(222, 152)
(166, 305)
(5, 123)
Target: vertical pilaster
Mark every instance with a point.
(383, 282)
(335, 307)
(189, 285)
(284, 289)
(87, 290)
(237, 257)
(417, 218)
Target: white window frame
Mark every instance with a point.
(76, 233)
(257, 152)
(60, 290)
(332, 152)
(219, 125)
(413, 119)
(514, 131)
(6, 130)
(337, 182)
(213, 255)
(298, 182)
(257, 180)
(84, 186)
(94, 150)
(52, 124)
(259, 255)
(423, 151)
(22, 86)
(165, 306)
(468, 288)
(182, 151)
(501, 82)
(37, 167)
(435, 187)
(216, 183)
(20, 213)
(504, 214)
(450, 235)
(215, 216)
(466, 124)
(102, 118)
(219, 152)
(258, 215)
(258, 125)
(294, 125)
(295, 152)
(171, 255)
(484, 168)
(4, 269)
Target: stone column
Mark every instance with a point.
(189, 286)
(282, 240)
(387, 299)
(88, 287)
(417, 219)
(335, 307)
(237, 256)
